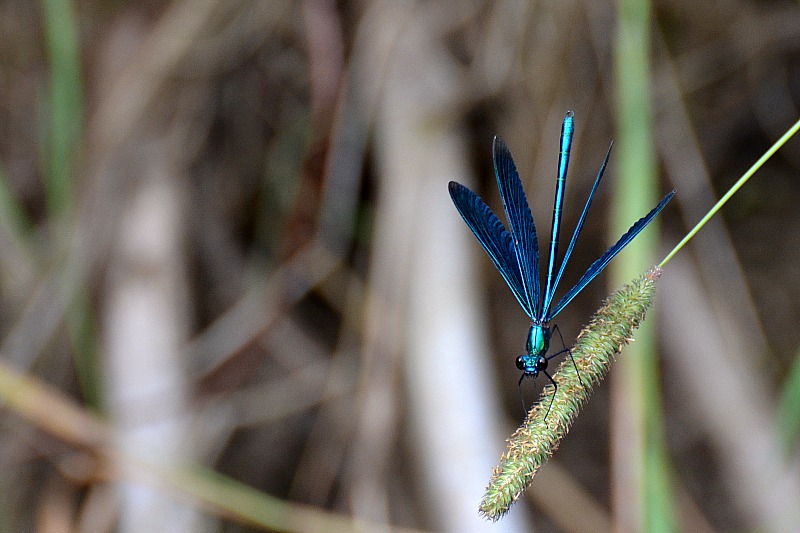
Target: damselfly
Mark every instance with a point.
(516, 253)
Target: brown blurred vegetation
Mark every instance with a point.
(223, 272)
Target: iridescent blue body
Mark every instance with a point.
(515, 251)
(534, 360)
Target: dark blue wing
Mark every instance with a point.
(601, 263)
(520, 221)
(548, 298)
(493, 236)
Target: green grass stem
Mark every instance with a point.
(65, 107)
(648, 495)
(738, 185)
(63, 129)
(789, 407)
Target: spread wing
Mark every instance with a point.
(493, 236)
(520, 221)
(601, 263)
(548, 298)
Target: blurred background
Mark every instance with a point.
(235, 295)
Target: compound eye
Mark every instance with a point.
(521, 362)
(541, 363)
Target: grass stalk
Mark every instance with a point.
(62, 134)
(534, 442)
(65, 107)
(647, 501)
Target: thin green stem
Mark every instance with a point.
(747, 175)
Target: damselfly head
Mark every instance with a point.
(531, 365)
